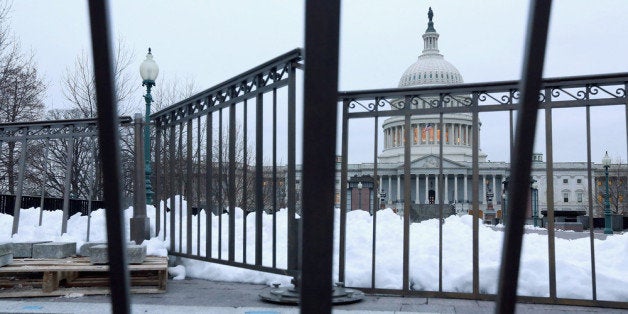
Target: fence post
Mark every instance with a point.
(140, 225)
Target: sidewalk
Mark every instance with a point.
(202, 296)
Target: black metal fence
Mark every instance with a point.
(221, 151)
(410, 108)
(7, 204)
(54, 159)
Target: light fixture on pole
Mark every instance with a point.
(360, 195)
(148, 71)
(606, 161)
(535, 202)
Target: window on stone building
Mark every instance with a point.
(579, 180)
(579, 197)
(565, 180)
(566, 197)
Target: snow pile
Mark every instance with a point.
(50, 230)
(573, 260)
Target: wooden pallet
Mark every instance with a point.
(76, 276)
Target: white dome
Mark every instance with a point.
(430, 69)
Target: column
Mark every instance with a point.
(465, 197)
(456, 188)
(381, 184)
(494, 191)
(480, 190)
(469, 136)
(385, 139)
(427, 187)
(416, 189)
(459, 135)
(436, 189)
(389, 189)
(398, 187)
(446, 192)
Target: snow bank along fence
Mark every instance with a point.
(419, 112)
(51, 165)
(227, 149)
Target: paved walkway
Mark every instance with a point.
(202, 296)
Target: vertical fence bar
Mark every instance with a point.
(198, 185)
(92, 187)
(159, 178)
(245, 186)
(440, 203)
(590, 180)
(180, 185)
(376, 196)
(274, 174)
(536, 39)
(109, 140)
(43, 181)
(20, 181)
(172, 147)
(322, 23)
(342, 234)
(550, 196)
(189, 176)
(220, 181)
(232, 179)
(475, 190)
(406, 192)
(293, 230)
(259, 175)
(66, 186)
(209, 198)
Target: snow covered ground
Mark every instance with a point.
(573, 260)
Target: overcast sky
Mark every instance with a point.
(211, 41)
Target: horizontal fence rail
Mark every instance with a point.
(7, 204)
(422, 116)
(218, 175)
(53, 159)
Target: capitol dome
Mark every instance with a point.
(431, 68)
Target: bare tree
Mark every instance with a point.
(170, 91)
(79, 84)
(21, 90)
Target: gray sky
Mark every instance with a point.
(211, 41)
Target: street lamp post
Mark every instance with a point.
(606, 161)
(148, 71)
(360, 195)
(535, 203)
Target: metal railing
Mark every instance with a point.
(322, 33)
(211, 152)
(51, 158)
(442, 102)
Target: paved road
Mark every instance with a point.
(202, 296)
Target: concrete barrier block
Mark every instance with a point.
(98, 254)
(86, 247)
(25, 249)
(6, 248)
(6, 259)
(54, 250)
(136, 254)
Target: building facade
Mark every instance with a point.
(570, 178)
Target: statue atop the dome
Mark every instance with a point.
(430, 24)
